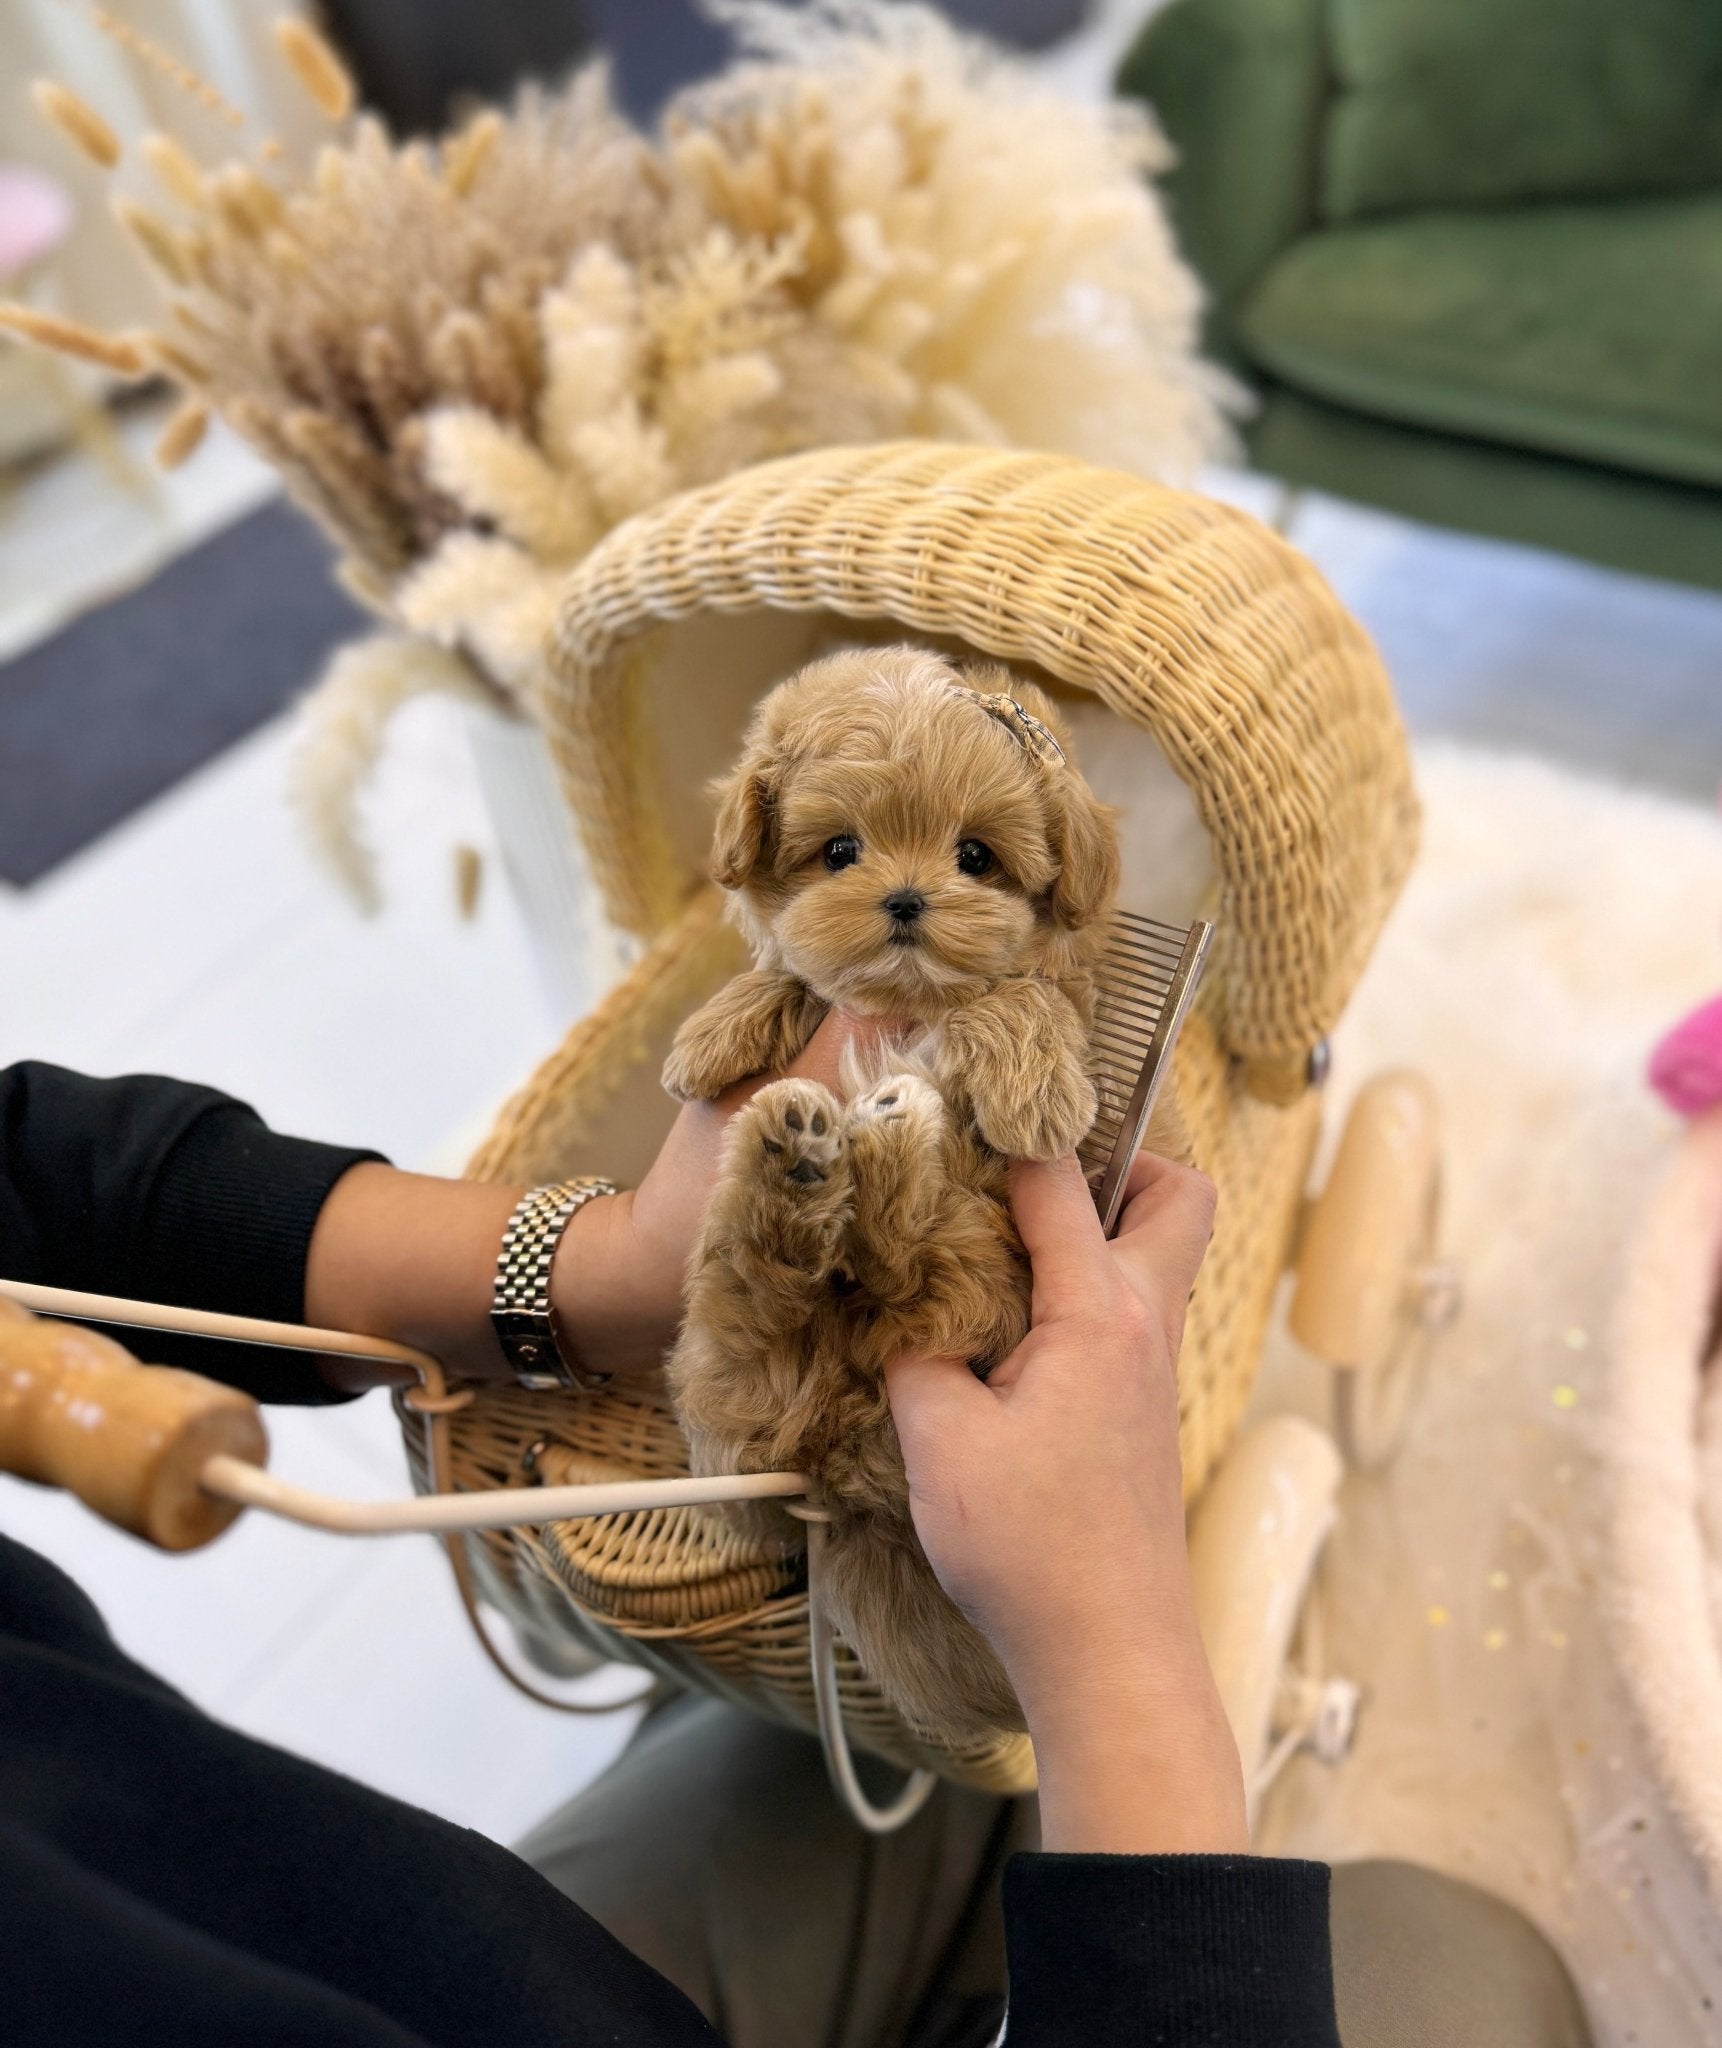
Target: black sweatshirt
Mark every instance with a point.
(165, 1880)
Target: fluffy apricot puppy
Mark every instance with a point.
(904, 838)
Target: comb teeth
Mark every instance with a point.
(1147, 976)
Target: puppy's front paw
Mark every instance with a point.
(798, 1126)
(782, 1203)
(702, 1061)
(907, 1099)
(755, 1023)
(896, 1144)
(1043, 1123)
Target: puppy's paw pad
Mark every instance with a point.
(800, 1130)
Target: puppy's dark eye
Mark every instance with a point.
(842, 852)
(974, 857)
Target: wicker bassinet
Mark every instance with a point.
(1187, 619)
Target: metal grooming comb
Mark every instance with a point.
(1145, 984)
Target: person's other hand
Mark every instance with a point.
(1050, 1503)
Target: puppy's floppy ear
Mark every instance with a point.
(1084, 835)
(745, 797)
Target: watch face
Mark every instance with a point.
(529, 1344)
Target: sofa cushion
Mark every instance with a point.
(1587, 331)
(1454, 102)
(1621, 518)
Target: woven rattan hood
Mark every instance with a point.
(1185, 616)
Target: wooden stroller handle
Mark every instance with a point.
(77, 1411)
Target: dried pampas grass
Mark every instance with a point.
(326, 80)
(469, 360)
(990, 251)
(119, 353)
(343, 730)
(78, 121)
(183, 435)
(176, 169)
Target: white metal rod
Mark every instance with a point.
(503, 1508)
(917, 1787)
(201, 1322)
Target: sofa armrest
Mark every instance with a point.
(1240, 88)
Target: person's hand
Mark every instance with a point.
(619, 1272)
(1049, 1501)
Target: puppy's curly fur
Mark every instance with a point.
(897, 838)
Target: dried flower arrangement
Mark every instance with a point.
(470, 360)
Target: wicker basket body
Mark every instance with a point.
(1189, 621)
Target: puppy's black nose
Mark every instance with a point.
(905, 905)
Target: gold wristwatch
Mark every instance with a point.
(520, 1313)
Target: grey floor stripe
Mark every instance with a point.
(133, 696)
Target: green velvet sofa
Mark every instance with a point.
(1468, 252)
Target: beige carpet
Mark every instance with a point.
(1553, 929)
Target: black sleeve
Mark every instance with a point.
(166, 1882)
(159, 1190)
(1180, 1950)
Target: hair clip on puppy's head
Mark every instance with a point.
(1023, 726)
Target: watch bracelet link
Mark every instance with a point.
(520, 1311)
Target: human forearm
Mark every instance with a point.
(413, 1258)
(1139, 1760)
(408, 1257)
(1135, 1754)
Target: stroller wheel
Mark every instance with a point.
(1256, 1536)
(1371, 1294)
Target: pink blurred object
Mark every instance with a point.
(1686, 1068)
(35, 218)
